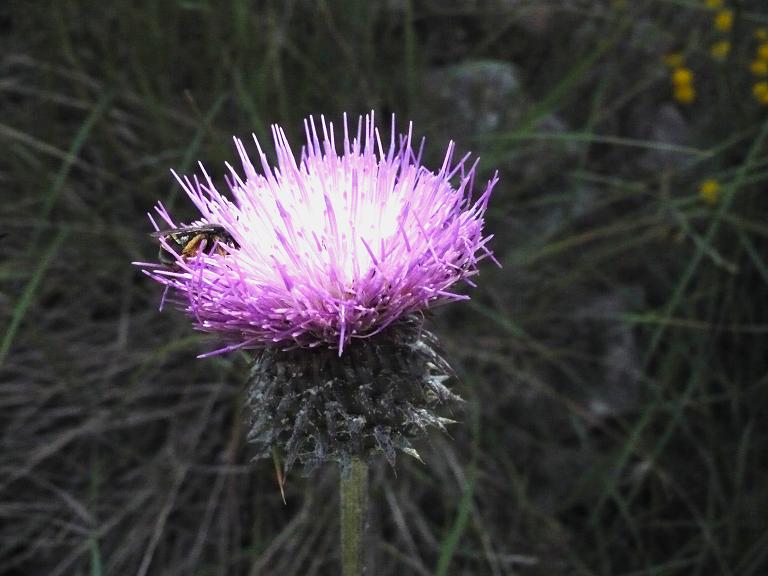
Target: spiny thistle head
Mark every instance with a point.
(332, 248)
(326, 265)
(314, 406)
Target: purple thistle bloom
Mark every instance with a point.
(334, 247)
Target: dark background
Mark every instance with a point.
(615, 368)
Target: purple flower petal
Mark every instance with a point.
(334, 247)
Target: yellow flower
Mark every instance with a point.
(720, 49)
(760, 91)
(673, 59)
(762, 51)
(723, 20)
(761, 34)
(709, 191)
(684, 93)
(713, 4)
(759, 67)
(682, 85)
(682, 76)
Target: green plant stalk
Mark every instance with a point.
(354, 512)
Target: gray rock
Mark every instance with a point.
(667, 126)
(473, 98)
(617, 389)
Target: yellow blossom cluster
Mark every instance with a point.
(721, 22)
(673, 59)
(759, 67)
(684, 88)
(720, 49)
(709, 191)
(760, 91)
(681, 78)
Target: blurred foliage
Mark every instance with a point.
(615, 367)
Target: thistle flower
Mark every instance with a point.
(326, 267)
(332, 248)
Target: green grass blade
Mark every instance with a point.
(463, 511)
(194, 147)
(74, 151)
(27, 296)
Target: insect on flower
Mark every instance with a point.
(189, 241)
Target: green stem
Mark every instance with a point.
(354, 509)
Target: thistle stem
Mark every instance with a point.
(354, 510)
